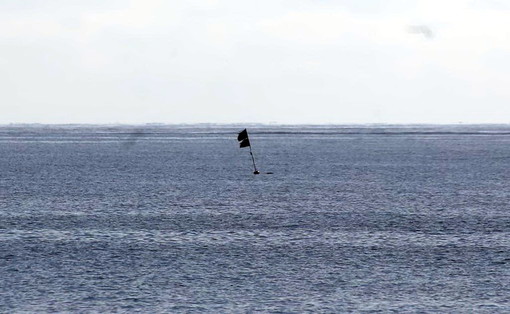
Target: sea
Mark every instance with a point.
(171, 219)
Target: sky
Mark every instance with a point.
(264, 61)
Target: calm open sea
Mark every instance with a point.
(171, 219)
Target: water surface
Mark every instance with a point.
(170, 219)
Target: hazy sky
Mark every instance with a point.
(220, 61)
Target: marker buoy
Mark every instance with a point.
(244, 141)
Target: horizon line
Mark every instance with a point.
(155, 124)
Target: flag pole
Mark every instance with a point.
(244, 140)
(253, 159)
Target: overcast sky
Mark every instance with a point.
(222, 61)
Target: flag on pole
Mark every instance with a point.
(243, 139)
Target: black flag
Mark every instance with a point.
(243, 139)
(242, 135)
(244, 143)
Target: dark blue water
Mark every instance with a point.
(170, 219)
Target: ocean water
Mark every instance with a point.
(171, 219)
